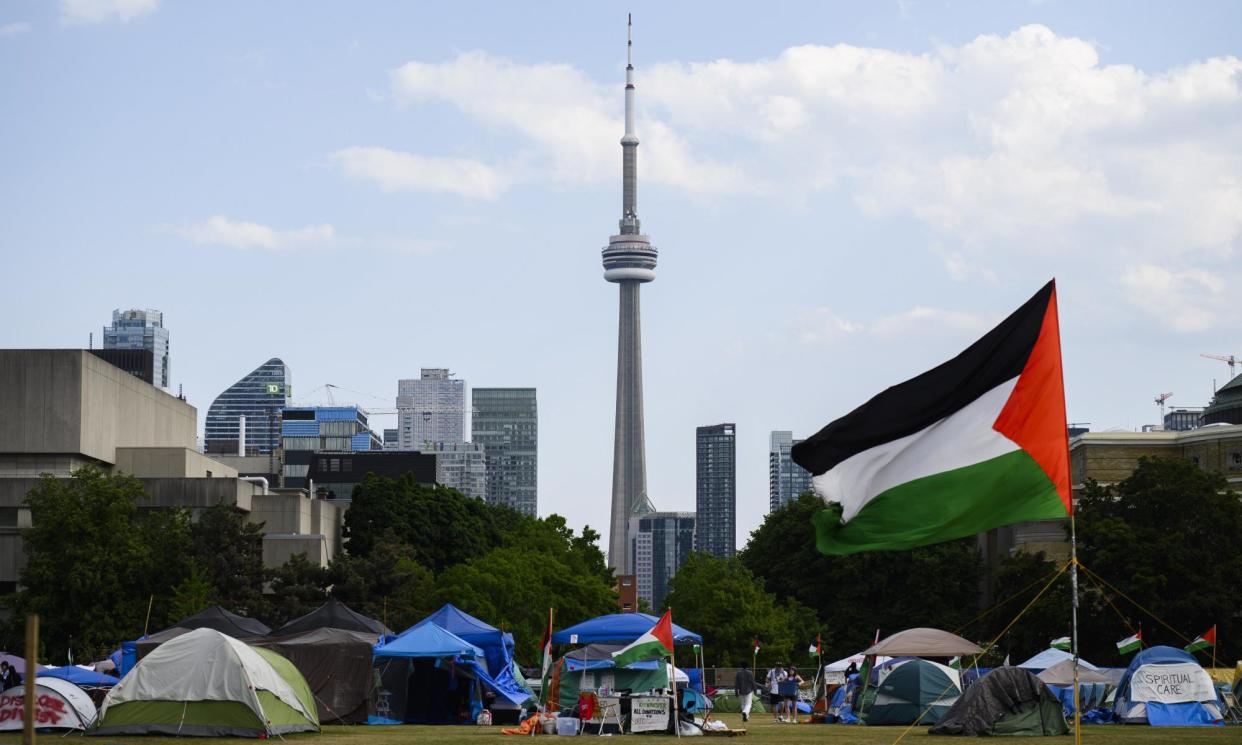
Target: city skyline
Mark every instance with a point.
(831, 233)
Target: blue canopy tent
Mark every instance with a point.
(1165, 686)
(619, 628)
(79, 676)
(426, 675)
(495, 665)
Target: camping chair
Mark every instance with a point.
(1233, 710)
(591, 706)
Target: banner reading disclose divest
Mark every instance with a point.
(1171, 684)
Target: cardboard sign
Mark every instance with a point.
(649, 713)
(1171, 684)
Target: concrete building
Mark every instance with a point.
(257, 398)
(629, 261)
(141, 329)
(430, 409)
(505, 422)
(660, 542)
(716, 489)
(307, 430)
(137, 362)
(65, 409)
(461, 466)
(786, 479)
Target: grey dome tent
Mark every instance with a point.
(333, 615)
(1006, 701)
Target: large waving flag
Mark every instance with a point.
(658, 642)
(973, 444)
(1203, 641)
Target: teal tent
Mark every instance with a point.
(914, 692)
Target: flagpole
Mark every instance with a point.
(1074, 615)
(1214, 640)
(673, 675)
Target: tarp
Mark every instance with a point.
(599, 657)
(59, 705)
(497, 646)
(78, 676)
(337, 667)
(427, 640)
(924, 642)
(619, 627)
(1062, 674)
(916, 691)
(844, 663)
(1052, 656)
(1008, 700)
(207, 683)
(333, 615)
(1172, 679)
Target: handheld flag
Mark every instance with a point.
(1063, 643)
(546, 647)
(1132, 643)
(968, 446)
(658, 642)
(1203, 641)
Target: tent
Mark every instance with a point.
(497, 659)
(619, 628)
(1165, 686)
(79, 676)
(591, 668)
(1006, 701)
(856, 660)
(206, 683)
(923, 642)
(915, 691)
(427, 675)
(1062, 674)
(333, 615)
(17, 662)
(337, 667)
(1052, 656)
(58, 705)
(215, 617)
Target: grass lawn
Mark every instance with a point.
(759, 729)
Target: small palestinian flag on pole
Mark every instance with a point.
(656, 643)
(973, 444)
(546, 647)
(1062, 643)
(816, 649)
(1203, 641)
(1132, 643)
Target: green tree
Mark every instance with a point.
(93, 562)
(297, 588)
(229, 551)
(189, 596)
(387, 583)
(935, 585)
(721, 600)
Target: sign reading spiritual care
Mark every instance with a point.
(649, 713)
(1171, 684)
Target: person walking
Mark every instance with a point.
(776, 676)
(745, 685)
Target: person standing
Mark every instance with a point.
(776, 676)
(790, 702)
(745, 685)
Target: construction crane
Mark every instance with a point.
(327, 389)
(1230, 360)
(1160, 402)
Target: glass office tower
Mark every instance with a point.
(716, 489)
(505, 421)
(786, 479)
(141, 329)
(259, 397)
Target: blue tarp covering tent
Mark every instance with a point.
(1165, 686)
(79, 676)
(427, 640)
(619, 628)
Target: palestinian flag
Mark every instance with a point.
(1132, 643)
(1203, 641)
(756, 646)
(973, 444)
(1063, 643)
(546, 647)
(815, 649)
(658, 642)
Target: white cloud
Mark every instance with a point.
(823, 324)
(397, 171)
(100, 11)
(1188, 300)
(219, 230)
(15, 29)
(818, 325)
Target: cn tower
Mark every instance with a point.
(629, 261)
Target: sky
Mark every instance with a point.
(843, 195)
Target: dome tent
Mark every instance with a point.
(1165, 686)
(916, 691)
(1006, 701)
(209, 684)
(333, 615)
(59, 704)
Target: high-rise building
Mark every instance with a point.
(141, 329)
(137, 362)
(391, 440)
(258, 397)
(786, 479)
(629, 261)
(660, 542)
(307, 430)
(716, 489)
(505, 421)
(461, 466)
(430, 409)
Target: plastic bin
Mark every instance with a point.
(567, 725)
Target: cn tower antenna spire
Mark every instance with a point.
(629, 40)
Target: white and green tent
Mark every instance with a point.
(209, 684)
